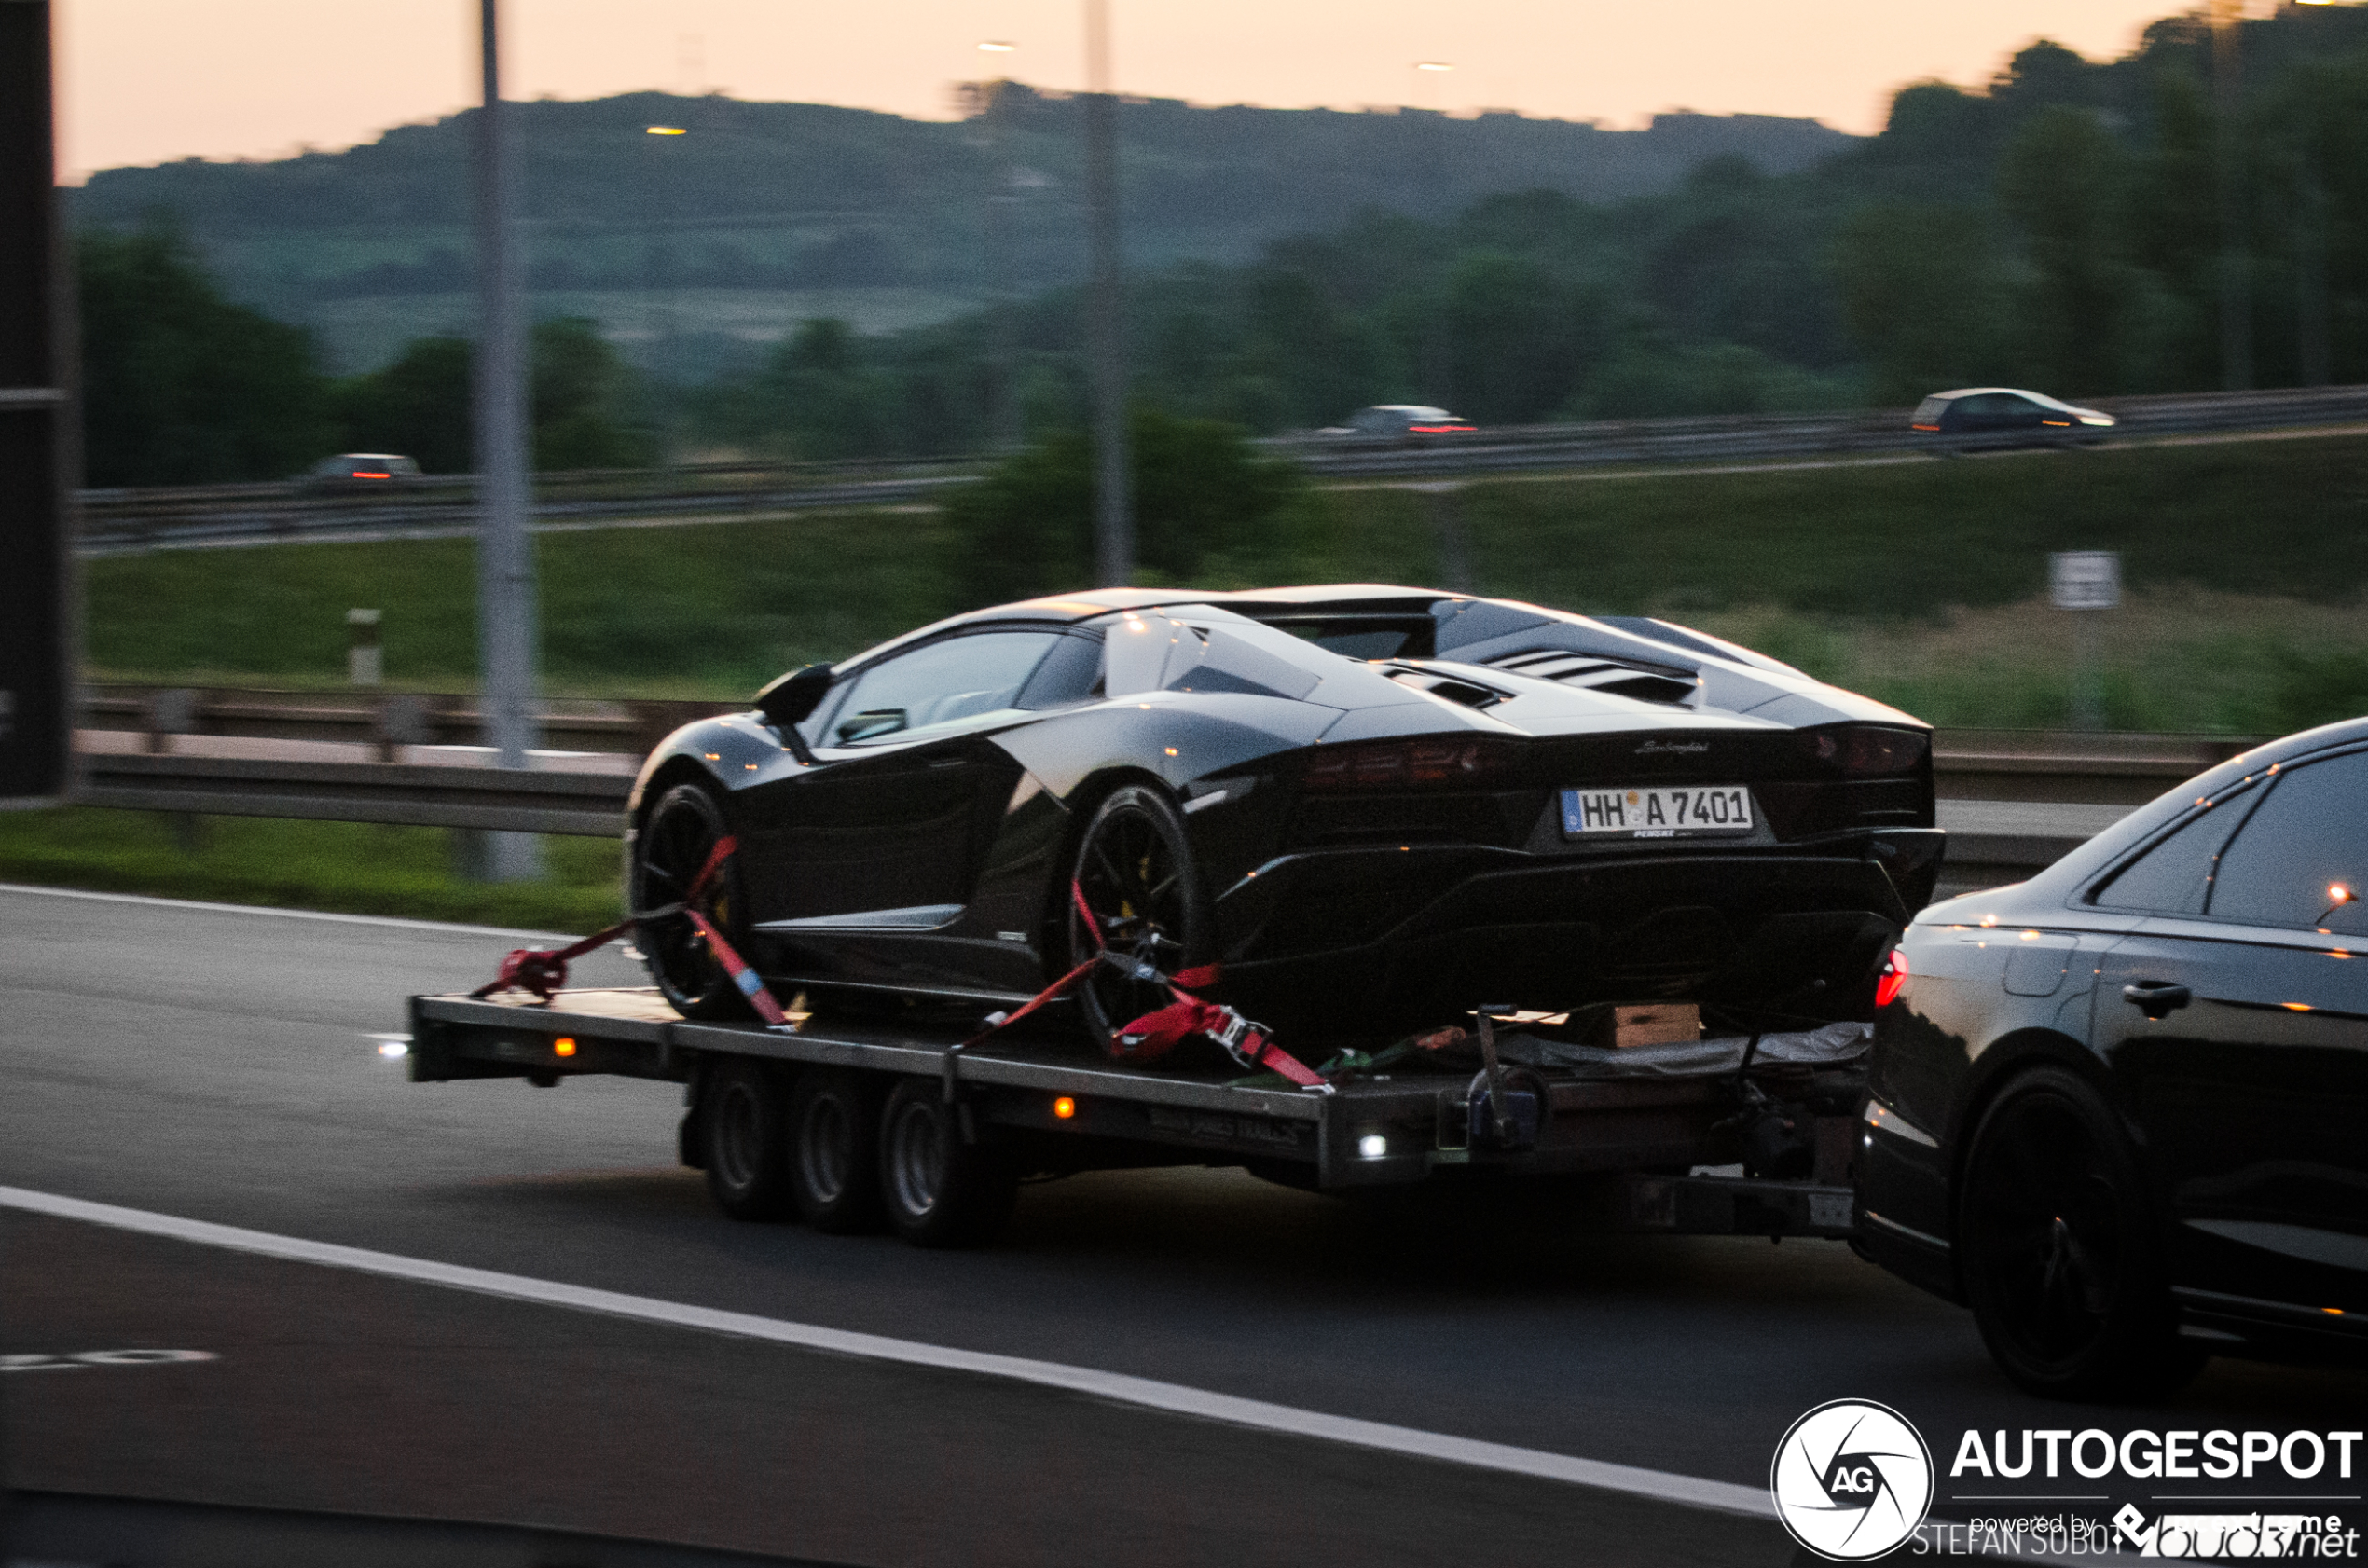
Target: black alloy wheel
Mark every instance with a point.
(677, 837)
(2060, 1250)
(940, 1191)
(1133, 870)
(745, 1111)
(834, 1121)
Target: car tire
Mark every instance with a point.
(1134, 868)
(2060, 1248)
(674, 841)
(834, 1121)
(939, 1190)
(744, 1115)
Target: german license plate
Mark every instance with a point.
(1660, 811)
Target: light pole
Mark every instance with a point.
(506, 552)
(1105, 324)
(1003, 419)
(662, 282)
(1435, 370)
(2236, 294)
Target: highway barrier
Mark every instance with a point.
(113, 521)
(2013, 800)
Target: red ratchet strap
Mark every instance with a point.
(544, 973)
(1155, 1034)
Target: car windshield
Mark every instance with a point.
(938, 687)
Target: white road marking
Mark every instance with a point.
(81, 1358)
(284, 913)
(1174, 1398)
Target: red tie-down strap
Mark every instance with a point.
(1157, 1033)
(543, 973)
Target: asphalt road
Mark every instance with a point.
(220, 1065)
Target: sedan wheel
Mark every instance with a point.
(2058, 1247)
(1133, 879)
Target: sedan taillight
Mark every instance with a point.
(1890, 978)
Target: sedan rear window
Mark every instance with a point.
(2173, 877)
(2302, 861)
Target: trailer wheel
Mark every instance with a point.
(745, 1117)
(834, 1119)
(939, 1190)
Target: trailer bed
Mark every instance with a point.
(1043, 1092)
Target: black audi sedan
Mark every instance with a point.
(2121, 1110)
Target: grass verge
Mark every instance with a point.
(353, 867)
(1916, 582)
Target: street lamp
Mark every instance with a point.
(1113, 505)
(1435, 353)
(1003, 419)
(506, 638)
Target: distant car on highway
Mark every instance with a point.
(2117, 1109)
(1402, 420)
(360, 470)
(2008, 417)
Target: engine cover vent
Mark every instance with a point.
(1623, 678)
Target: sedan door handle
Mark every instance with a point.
(2157, 999)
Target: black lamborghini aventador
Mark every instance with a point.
(1374, 807)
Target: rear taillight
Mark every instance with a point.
(1404, 764)
(1890, 978)
(1868, 749)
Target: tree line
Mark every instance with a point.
(2072, 225)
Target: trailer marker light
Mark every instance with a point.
(1064, 1107)
(1373, 1145)
(564, 1045)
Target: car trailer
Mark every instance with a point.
(798, 1118)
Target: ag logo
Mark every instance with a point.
(1852, 1479)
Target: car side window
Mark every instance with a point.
(2302, 856)
(2174, 876)
(939, 686)
(1071, 673)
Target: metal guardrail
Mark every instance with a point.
(2013, 800)
(134, 519)
(1969, 765)
(409, 794)
(1986, 845)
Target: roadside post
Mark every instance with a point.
(2084, 581)
(364, 659)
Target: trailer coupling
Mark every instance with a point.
(1706, 1206)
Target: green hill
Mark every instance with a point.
(853, 213)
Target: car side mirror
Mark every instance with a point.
(791, 700)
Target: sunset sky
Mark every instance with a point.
(148, 80)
